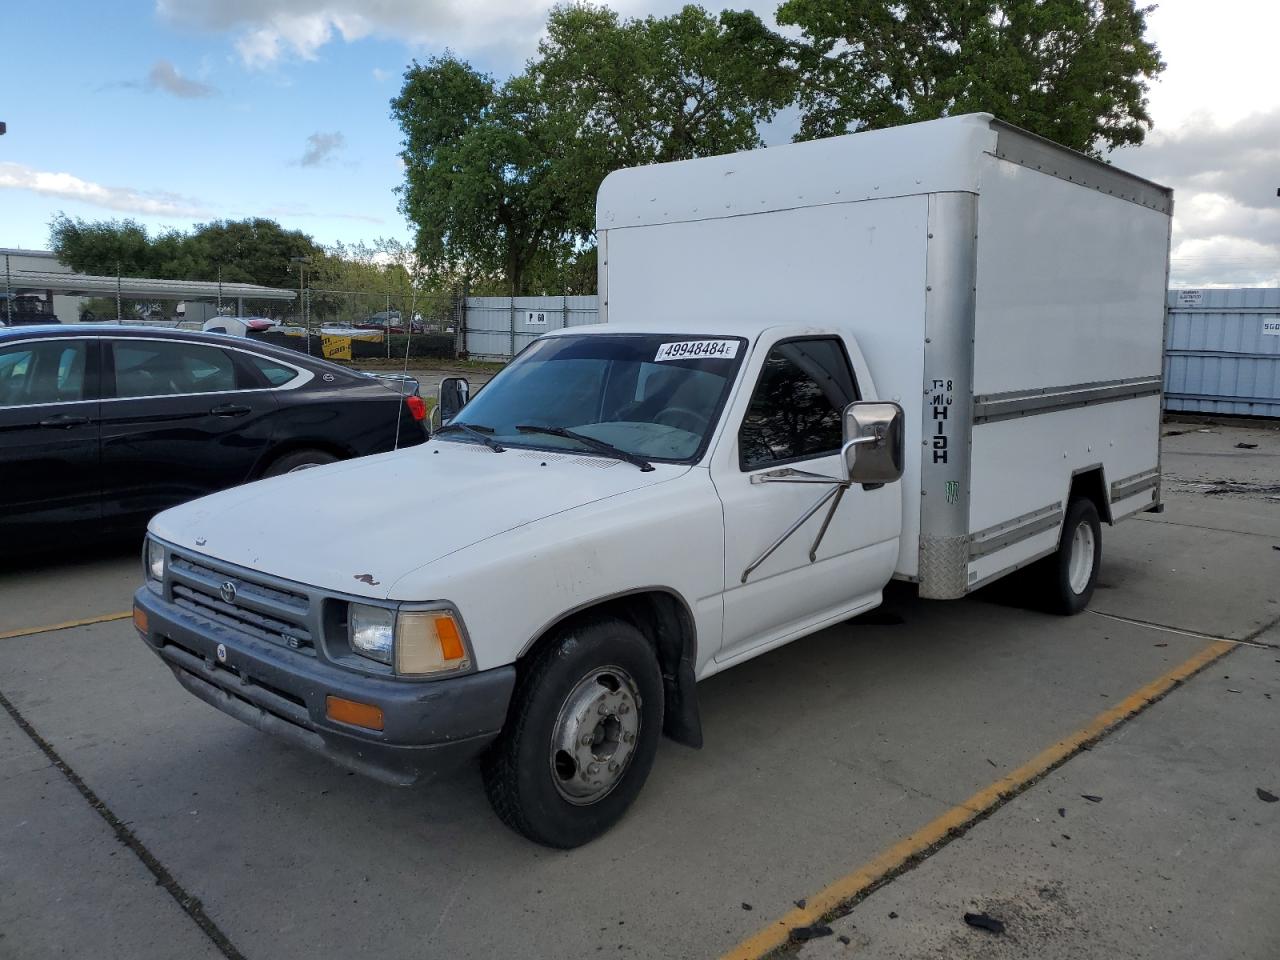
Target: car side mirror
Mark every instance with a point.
(453, 396)
(873, 442)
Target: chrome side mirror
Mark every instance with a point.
(452, 397)
(873, 442)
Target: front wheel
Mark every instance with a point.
(298, 460)
(581, 736)
(1069, 575)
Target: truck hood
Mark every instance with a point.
(358, 526)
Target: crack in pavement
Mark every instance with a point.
(189, 904)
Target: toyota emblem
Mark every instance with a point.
(222, 653)
(227, 592)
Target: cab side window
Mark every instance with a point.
(157, 368)
(48, 372)
(796, 410)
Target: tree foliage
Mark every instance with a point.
(1075, 71)
(500, 179)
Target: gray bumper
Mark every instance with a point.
(428, 726)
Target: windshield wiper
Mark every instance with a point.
(477, 430)
(598, 445)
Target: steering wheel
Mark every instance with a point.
(681, 413)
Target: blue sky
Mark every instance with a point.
(178, 111)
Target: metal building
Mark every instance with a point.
(1222, 351)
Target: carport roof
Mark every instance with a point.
(83, 284)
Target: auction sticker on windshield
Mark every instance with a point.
(697, 350)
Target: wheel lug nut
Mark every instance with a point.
(623, 708)
(602, 710)
(586, 739)
(613, 766)
(593, 768)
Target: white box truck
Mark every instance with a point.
(930, 353)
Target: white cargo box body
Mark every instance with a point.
(1007, 292)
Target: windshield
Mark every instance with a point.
(650, 395)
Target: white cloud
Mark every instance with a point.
(380, 75)
(1226, 212)
(321, 148)
(165, 77)
(17, 176)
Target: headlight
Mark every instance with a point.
(415, 643)
(372, 631)
(429, 641)
(155, 560)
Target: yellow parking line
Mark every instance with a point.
(66, 625)
(977, 806)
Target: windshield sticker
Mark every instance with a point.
(697, 350)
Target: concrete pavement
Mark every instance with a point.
(819, 757)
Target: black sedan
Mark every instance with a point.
(102, 426)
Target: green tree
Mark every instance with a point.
(102, 247)
(1074, 71)
(501, 179)
(479, 172)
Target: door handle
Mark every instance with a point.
(230, 410)
(64, 421)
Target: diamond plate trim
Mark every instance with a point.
(944, 565)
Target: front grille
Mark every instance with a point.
(258, 609)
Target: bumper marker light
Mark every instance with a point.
(350, 711)
(140, 621)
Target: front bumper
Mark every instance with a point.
(428, 726)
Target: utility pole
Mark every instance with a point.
(219, 289)
(8, 286)
(302, 295)
(119, 315)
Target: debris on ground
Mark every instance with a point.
(747, 906)
(801, 934)
(893, 915)
(1232, 690)
(801, 903)
(1092, 798)
(1247, 446)
(984, 922)
(843, 939)
(1062, 811)
(1266, 796)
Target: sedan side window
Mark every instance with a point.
(277, 374)
(796, 410)
(48, 372)
(158, 368)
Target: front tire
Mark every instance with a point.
(298, 460)
(1068, 577)
(580, 738)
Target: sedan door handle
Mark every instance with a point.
(64, 421)
(230, 410)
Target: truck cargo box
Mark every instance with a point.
(1007, 292)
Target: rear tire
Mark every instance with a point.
(298, 460)
(580, 737)
(1068, 576)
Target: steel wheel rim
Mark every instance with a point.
(302, 466)
(595, 735)
(1080, 567)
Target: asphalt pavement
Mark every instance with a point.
(136, 821)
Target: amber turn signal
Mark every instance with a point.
(350, 711)
(140, 622)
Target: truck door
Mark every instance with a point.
(790, 420)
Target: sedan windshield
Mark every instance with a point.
(649, 395)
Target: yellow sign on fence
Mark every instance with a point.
(336, 348)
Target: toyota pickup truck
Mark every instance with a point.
(930, 354)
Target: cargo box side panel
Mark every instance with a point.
(1070, 284)
(1022, 469)
(1069, 319)
(855, 266)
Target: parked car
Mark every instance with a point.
(102, 426)
(390, 323)
(239, 326)
(794, 400)
(26, 309)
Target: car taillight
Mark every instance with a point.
(417, 406)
